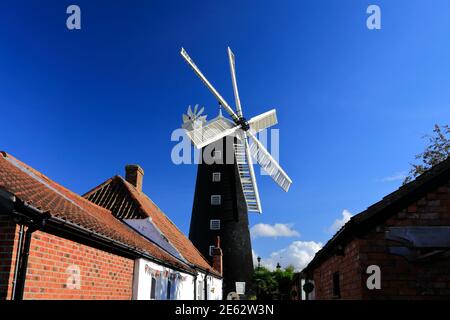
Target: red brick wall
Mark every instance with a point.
(400, 279)
(8, 243)
(63, 269)
(350, 276)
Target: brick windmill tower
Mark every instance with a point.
(226, 188)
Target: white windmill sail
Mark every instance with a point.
(247, 174)
(234, 82)
(263, 121)
(209, 85)
(268, 163)
(211, 132)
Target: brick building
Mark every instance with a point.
(126, 201)
(406, 235)
(55, 244)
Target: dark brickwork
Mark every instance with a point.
(234, 232)
(400, 278)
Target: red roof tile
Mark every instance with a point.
(119, 196)
(36, 189)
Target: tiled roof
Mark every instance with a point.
(133, 204)
(385, 208)
(36, 189)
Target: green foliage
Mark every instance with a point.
(273, 284)
(437, 151)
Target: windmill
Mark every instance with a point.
(204, 135)
(238, 186)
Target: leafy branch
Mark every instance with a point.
(437, 151)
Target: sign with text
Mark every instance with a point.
(240, 287)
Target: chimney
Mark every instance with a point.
(134, 174)
(217, 256)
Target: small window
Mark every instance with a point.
(336, 285)
(216, 177)
(169, 289)
(214, 224)
(217, 155)
(216, 200)
(211, 248)
(153, 289)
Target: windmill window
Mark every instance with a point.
(216, 200)
(214, 224)
(211, 248)
(216, 177)
(336, 285)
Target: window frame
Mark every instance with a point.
(336, 284)
(214, 221)
(219, 199)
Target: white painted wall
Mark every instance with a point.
(214, 288)
(200, 287)
(181, 289)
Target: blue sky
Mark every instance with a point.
(352, 103)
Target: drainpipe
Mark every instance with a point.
(195, 287)
(18, 259)
(34, 219)
(23, 264)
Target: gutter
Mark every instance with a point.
(77, 230)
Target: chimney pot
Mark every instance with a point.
(134, 174)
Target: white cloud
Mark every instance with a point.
(297, 254)
(338, 223)
(262, 230)
(395, 177)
